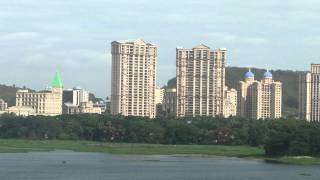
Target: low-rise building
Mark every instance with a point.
(45, 103)
(3, 105)
(83, 108)
(102, 105)
(21, 111)
(75, 96)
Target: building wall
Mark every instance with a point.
(309, 94)
(230, 103)
(21, 111)
(260, 99)
(159, 95)
(133, 78)
(200, 81)
(46, 103)
(305, 96)
(75, 96)
(249, 99)
(170, 101)
(83, 108)
(3, 105)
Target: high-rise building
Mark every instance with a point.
(309, 94)
(200, 81)
(170, 101)
(133, 78)
(259, 99)
(46, 103)
(230, 102)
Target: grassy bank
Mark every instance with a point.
(297, 160)
(21, 146)
(11, 145)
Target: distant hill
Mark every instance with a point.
(289, 79)
(8, 94)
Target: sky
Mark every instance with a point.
(40, 37)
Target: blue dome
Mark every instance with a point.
(249, 74)
(268, 74)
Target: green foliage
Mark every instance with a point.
(278, 137)
(18, 145)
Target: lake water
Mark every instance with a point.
(66, 165)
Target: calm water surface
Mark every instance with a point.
(65, 165)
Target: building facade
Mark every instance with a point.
(200, 81)
(46, 103)
(21, 111)
(309, 94)
(230, 103)
(82, 108)
(3, 105)
(260, 99)
(75, 96)
(133, 78)
(159, 95)
(170, 101)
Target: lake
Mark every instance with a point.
(68, 165)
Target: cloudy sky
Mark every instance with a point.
(39, 37)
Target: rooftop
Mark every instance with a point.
(133, 41)
(57, 83)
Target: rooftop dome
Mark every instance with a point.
(249, 75)
(267, 75)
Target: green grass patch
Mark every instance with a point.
(23, 146)
(14, 145)
(297, 160)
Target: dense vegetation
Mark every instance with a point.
(289, 79)
(278, 137)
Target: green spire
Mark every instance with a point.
(57, 83)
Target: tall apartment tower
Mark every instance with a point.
(133, 78)
(260, 99)
(309, 94)
(200, 81)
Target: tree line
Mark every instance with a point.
(278, 137)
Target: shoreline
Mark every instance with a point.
(246, 152)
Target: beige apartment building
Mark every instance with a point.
(200, 81)
(230, 103)
(260, 99)
(309, 94)
(46, 103)
(159, 95)
(133, 78)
